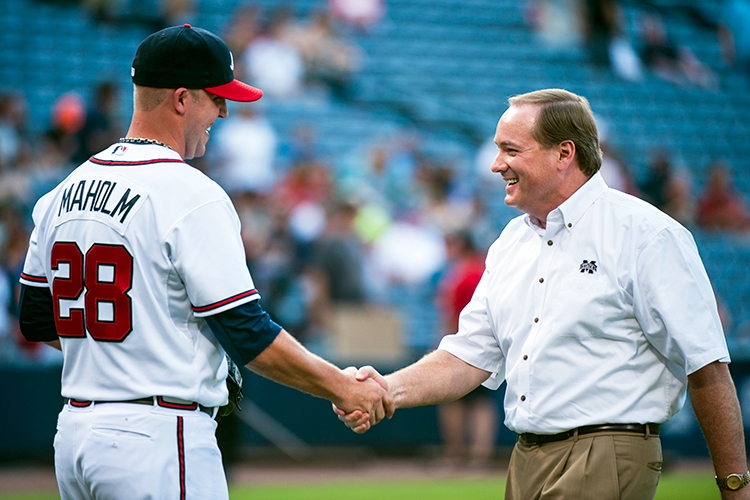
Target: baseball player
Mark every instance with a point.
(136, 271)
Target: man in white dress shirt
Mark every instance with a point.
(596, 309)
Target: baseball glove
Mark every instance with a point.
(234, 385)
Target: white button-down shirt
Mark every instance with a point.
(598, 318)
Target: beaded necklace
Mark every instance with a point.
(139, 140)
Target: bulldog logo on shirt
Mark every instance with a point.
(588, 267)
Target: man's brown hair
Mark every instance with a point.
(565, 116)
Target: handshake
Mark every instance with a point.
(368, 402)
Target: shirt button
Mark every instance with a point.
(523, 398)
(541, 280)
(549, 242)
(525, 357)
(536, 320)
(570, 225)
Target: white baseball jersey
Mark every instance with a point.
(136, 246)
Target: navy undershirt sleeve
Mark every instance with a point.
(243, 331)
(35, 314)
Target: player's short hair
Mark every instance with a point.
(565, 116)
(149, 98)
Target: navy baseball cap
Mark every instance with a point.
(190, 57)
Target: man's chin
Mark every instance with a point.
(199, 151)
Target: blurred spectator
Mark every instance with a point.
(407, 252)
(243, 27)
(655, 187)
(67, 119)
(669, 61)
(303, 145)
(176, 12)
(307, 181)
(680, 203)
(271, 62)
(607, 40)
(272, 259)
(602, 23)
(483, 159)
(614, 170)
(333, 273)
(734, 34)
(35, 175)
(246, 151)
(559, 24)
(8, 348)
(337, 257)
(616, 173)
(103, 10)
(101, 127)
(328, 58)
(393, 170)
(441, 208)
(720, 206)
(668, 190)
(14, 136)
(362, 15)
(14, 240)
(468, 426)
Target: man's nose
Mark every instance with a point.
(498, 164)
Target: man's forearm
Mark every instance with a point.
(439, 377)
(717, 409)
(287, 362)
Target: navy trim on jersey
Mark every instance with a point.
(134, 163)
(243, 331)
(222, 303)
(36, 315)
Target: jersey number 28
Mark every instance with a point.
(104, 275)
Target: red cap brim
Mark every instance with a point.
(236, 91)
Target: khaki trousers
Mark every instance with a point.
(598, 466)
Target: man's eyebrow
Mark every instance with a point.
(507, 144)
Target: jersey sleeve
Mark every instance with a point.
(243, 331)
(36, 315)
(206, 249)
(33, 273)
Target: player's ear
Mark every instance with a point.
(180, 99)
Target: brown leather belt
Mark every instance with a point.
(160, 401)
(530, 439)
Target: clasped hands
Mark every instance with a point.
(377, 404)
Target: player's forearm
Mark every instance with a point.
(717, 409)
(287, 362)
(437, 378)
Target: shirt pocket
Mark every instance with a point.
(578, 309)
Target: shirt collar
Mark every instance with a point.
(572, 209)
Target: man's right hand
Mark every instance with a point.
(358, 420)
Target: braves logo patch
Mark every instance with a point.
(588, 267)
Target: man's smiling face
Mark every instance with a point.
(530, 172)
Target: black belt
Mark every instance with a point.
(78, 403)
(537, 439)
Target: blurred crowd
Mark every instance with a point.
(632, 47)
(321, 234)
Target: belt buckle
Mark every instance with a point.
(530, 439)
